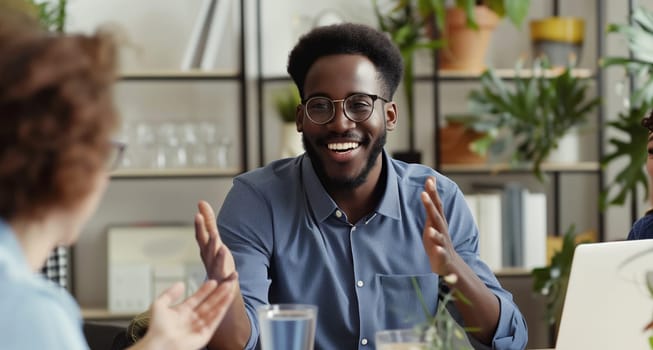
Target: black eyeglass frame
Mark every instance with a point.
(344, 110)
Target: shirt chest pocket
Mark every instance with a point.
(400, 305)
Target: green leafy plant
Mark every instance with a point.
(632, 141)
(537, 110)
(515, 10)
(286, 104)
(406, 23)
(51, 14)
(551, 281)
(630, 144)
(441, 331)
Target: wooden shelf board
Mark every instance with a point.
(507, 168)
(172, 74)
(181, 172)
(513, 73)
(451, 75)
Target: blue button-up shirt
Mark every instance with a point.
(292, 244)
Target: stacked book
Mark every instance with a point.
(512, 223)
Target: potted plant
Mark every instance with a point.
(406, 23)
(286, 104)
(632, 139)
(458, 140)
(535, 112)
(468, 27)
(410, 24)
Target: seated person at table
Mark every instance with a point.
(56, 120)
(345, 226)
(643, 227)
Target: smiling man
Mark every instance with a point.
(345, 226)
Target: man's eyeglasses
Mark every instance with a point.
(357, 107)
(115, 155)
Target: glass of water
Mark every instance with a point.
(400, 339)
(287, 326)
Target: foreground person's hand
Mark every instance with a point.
(191, 323)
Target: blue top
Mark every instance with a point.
(642, 228)
(292, 244)
(35, 313)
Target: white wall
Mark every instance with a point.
(156, 32)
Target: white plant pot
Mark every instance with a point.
(568, 150)
(291, 141)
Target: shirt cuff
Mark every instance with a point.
(512, 332)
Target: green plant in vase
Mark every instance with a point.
(531, 113)
(441, 331)
(406, 23)
(286, 103)
(632, 138)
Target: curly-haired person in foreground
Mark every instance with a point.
(347, 227)
(56, 121)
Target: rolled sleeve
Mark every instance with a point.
(512, 332)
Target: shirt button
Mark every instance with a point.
(360, 283)
(338, 213)
(364, 341)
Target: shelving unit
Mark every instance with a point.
(556, 170)
(140, 183)
(218, 76)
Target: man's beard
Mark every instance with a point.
(344, 183)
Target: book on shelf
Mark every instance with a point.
(198, 36)
(486, 210)
(534, 229)
(219, 25)
(512, 223)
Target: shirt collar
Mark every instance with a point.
(322, 205)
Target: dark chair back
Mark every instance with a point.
(101, 336)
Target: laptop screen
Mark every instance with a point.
(608, 304)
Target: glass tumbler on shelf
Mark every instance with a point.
(170, 148)
(193, 143)
(287, 326)
(145, 146)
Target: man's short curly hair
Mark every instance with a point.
(56, 118)
(347, 38)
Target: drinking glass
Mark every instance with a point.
(287, 326)
(400, 339)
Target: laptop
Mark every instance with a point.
(608, 304)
